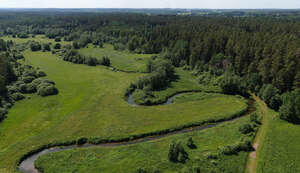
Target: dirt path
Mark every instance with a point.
(253, 156)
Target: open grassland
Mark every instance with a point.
(90, 104)
(280, 149)
(153, 155)
(123, 60)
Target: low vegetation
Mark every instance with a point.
(154, 156)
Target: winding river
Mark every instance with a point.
(27, 165)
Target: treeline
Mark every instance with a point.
(264, 45)
(75, 57)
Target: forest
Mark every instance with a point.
(229, 59)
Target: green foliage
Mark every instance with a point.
(46, 47)
(177, 153)
(81, 141)
(233, 84)
(190, 143)
(270, 95)
(41, 74)
(105, 61)
(17, 96)
(35, 46)
(46, 89)
(290, 109)
(57, 46)
(57, 39)
(243, 145)
(3, 45)
(245, 128)
(254, 118)
(161, 74)
(23, 35)
(74, 57)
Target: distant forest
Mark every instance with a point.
(263, 51)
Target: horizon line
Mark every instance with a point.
(263, 8)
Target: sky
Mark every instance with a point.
(215, 4)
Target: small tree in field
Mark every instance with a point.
(177, 153)
(190, 143)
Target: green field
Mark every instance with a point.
(90, 104)
(280, 150)
(153, 155)
(122, 60)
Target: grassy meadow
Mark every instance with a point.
(122, 60)
(90, 104)
(280, 150)
(153, 156)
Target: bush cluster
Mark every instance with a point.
(161, 74)
(76, 58)
(233, 84)
(243, 145)
(271, 96)
(35, 46)
(177, 153)
(246, 128)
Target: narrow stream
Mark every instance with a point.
(27, 165)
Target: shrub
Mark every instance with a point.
(91, 61)
(30, 88)
(177, 153)
(37, 81)
(173, 152)
(41, 74)
(46, 47)
(190, 143)
(81, 141)
(57, 46)
(245, 128)
(76, 45)
(17, 96)
(46, 89)
(229, 150)
(35, 46)
(57, 39)
(105, 61)
(3, 111)
(27, 79)
(18, 56)
(243, 145)
(22, 88)
(12, 89)
(254, 118)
